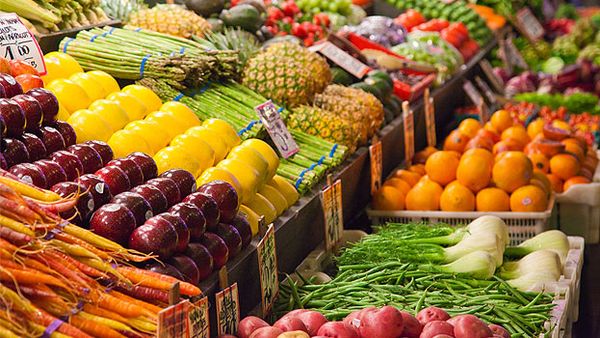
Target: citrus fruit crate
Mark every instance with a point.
(578, 210)
(521, 225)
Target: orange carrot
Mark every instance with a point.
(29, 277)
(94, 328)
(157, 281)
(150, 307)
(98, 311)
(126, 309)
(46, 319)
(29, 190)
(86, 269)
(74, 240)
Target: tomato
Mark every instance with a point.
(321, 19)
(299, 30)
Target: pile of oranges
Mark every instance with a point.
(499, 166)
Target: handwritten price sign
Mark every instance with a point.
(408, 119)
(376, 166)
(185, 320)
(429, 119)
(267, 268)
(342, 59)
(228, 310)
(277, 129)
(199, 319)
(529, 24)
(18, 43)
(331, 200)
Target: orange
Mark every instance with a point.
(441, 167)
(561, 125)
(540, 177)
(457, 197)
(388, 198)
(575, 180)
(512, 170)
(540, 162)
(494, 137)
(479, 152)
(422, 156)
(489, 127)
(398, 184)
(469, 127)
(535, 128)
(408, 176)
(475, 169)
(501, 120)
(517, 133)
(529, 198)
(556, 182)
(564, 166)
(507, 145)
(418, 168)
(456, 141)
(480, 142)
(574, 148)
(424, 196)
(492, 199)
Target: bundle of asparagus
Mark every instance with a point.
(134, 54)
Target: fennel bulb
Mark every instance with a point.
(483, 241)
(478, 264)
(492, 224)
(546, 261)
(552, 240)
(532, 282)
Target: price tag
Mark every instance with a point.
(267, 268)
(491, 76)
(228, 310)
(409, 133)
(477, 99)
(514, 55)
(376, 166)
(487, 91)
(430, 119)
(342, 59)
(173, 322)
(529, 25)
(504, 54)
(276, 128)
(18, 43)
(331, 200)
(199, 319)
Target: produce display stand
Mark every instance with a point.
(301, 228)
(49, 42)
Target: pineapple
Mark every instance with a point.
(121, 9)
(170, 19)
(367, 101)
(347, 110)
(322, 123)
(287, 73)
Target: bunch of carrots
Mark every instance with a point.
(60, 280)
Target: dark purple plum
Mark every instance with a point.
(113, 221)
(193, 218)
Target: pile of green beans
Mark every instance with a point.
(405, 287)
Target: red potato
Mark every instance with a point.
(437, 327)
(382, 323)
(250, 324)
(266, 332)
(430, 314)
(287, 324)
(497, 336)
(354, 318)
(313, 321)
(499, 331)
(227, 336)
(294, 334)
(412, 327)
(295, 313)
(469, 326)
(443, 336)
(338, 330)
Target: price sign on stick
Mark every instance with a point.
(487, 91)
(199, 319)
(331, 200)
(342, 59)
(430, 119)
(228, 310)
(267, 269)
(376, 166)
(172, 321)
(409, 133)
(529, 25)
(491, 76)
(477, 99)
(514, 55)
(277, 129)
(18, 43)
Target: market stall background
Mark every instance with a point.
(298, 234)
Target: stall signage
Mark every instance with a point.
(331, 200)
(267, 269)
(529, 24)
(408, 120)
(376, 160)
(277, 129)
(18, 43)
(185, 320)
(228, 310)
(487, 91)
(342, 59)
(430, 119)
(491, 76)
(477, 99)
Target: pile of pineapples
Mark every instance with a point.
(300, 79)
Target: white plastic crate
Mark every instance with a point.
(572, 273)
(578, 210)
(521, 225)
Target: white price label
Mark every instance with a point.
(529, 24)
(342, 59)
(18, 43)
(331, 200)
(277, 129)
